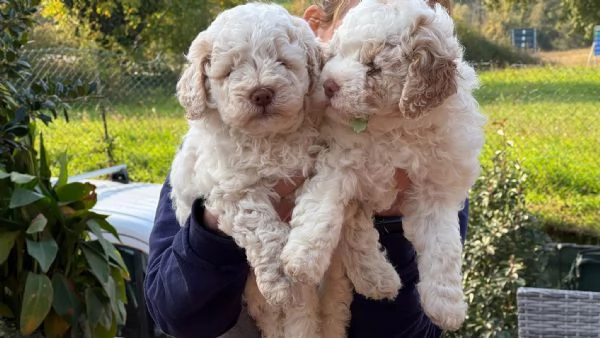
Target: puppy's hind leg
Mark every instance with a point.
(335, 297)
(268, 318)
(366, 263)
(302, 316)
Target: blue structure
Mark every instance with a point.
(597, 40)
(524, 38)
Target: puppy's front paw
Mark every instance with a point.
(302, 264)
(380, 282)
(444, 304)
(277, 292)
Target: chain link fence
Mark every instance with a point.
(549, 114)
(122, 79)
(133, 118)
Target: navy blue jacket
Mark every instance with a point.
(196, 278)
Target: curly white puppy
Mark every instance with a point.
(246, 93)
(401, 97)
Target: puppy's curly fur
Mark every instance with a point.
(398, 65)
(246, 93)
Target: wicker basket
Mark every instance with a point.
(549, 313)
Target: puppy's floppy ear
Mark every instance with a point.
(432, 72)
(193, 86)
(314, 53)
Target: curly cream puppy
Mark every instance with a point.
(401, 97)
(246, 93)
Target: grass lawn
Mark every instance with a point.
(145, 142)
(550, 114)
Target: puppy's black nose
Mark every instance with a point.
(330, 87)
(262, 96)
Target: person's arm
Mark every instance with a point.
(195, 277)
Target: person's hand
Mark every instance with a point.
(403, 183)
(286, 190)
(284, 206)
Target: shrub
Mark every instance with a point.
(504, 249)
(54, 280)
(479, 49)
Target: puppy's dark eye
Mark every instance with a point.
(284, 63)
(373, 69)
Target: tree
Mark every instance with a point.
(581, 15)
(136, 26)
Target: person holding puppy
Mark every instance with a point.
(196, 275)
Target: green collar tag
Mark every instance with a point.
(359, 124)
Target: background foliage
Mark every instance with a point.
(148, 27)
(54, 280)
(549, 178)
(561, 24)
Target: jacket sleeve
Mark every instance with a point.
(195, 278)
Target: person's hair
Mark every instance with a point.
(447, 4)
(333, 10)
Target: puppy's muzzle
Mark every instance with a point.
(262, 97)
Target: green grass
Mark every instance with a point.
(550, 115)
(144, 137)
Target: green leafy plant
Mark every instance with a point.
(59, 274)
(504, 248)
